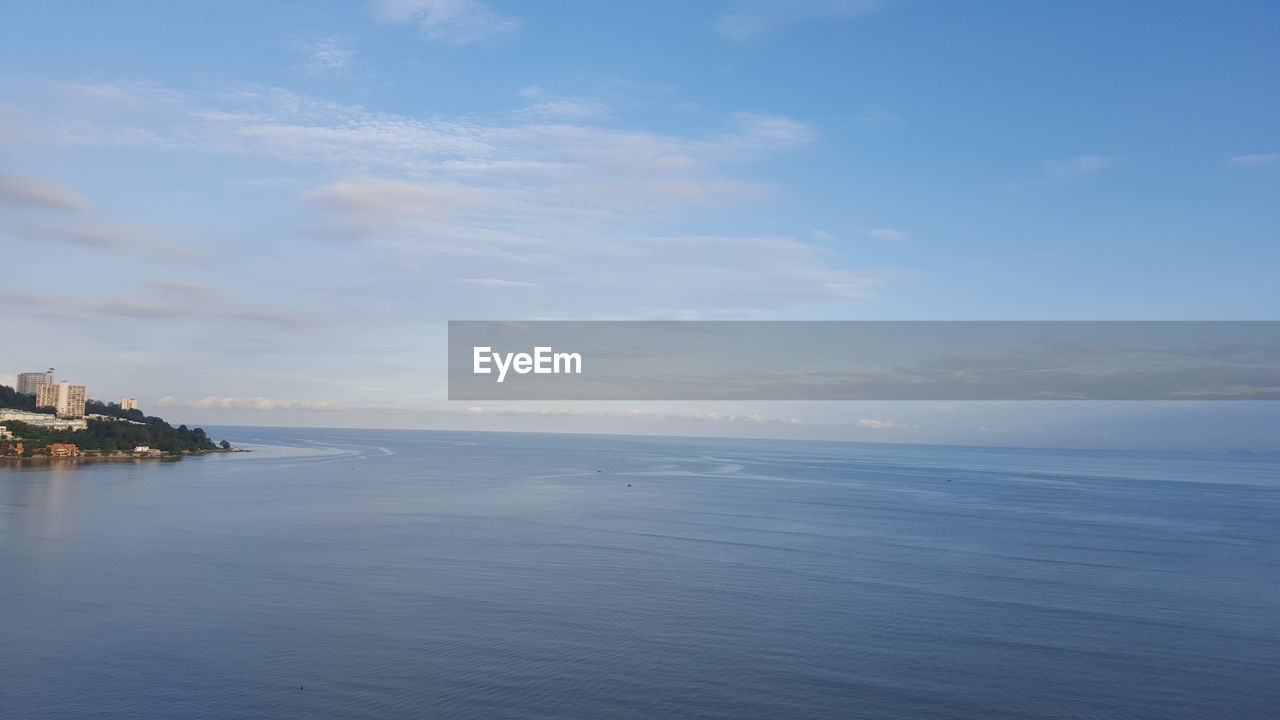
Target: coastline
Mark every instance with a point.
(112, 457)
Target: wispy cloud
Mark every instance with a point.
(74, 226)
(276, 123)
(276, 182)
(138, 241)
(499, 283)
(254, 403)
(323, 54)
(623, 416)
(212, 305)
(700, 417)
(20, 299)
(1256, 160)
(452, 21)
(381, 198)
(435, 201)
(1076, 167)
(877, 115)
(186, 289)
(1253, 392)
(545, 105)
(749, 19)
(13, 124)
(572, 261)
(870, 424)
(887, 233)
(36, 192)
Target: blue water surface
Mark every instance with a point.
(414, 574)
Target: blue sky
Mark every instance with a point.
(263, 212)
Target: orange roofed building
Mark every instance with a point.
(62, 450)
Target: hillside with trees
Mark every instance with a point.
(14, 400)
(131, 429)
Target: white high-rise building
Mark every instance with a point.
(128, 403)
(28, 382)
(67, 400)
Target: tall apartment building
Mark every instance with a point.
(28, 382)
(128, 403)
(67, 400)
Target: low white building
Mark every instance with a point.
(112, 418)
(44, 420)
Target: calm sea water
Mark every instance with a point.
(362, 574)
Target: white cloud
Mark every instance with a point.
(498, 283)
(452, 21)
(869, 424)
(139, 241)
(569, 108)
(1079, 166)
(255, 403)
(269, 404)
(549, 106)
(893, 234)
(125, 95)
(183, 288)
(13, 126)
(700, 417)
(192, 306)
(40, 193)
(1256, 160)
(279, 182)
(20, 299)
(634, 167)
(582, 262)
(380, 197)
(877, 115)
(749, 19)
(323, 55)
(1235, 391)
(757, 132)
(432, 201)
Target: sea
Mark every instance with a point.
(421, 574)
